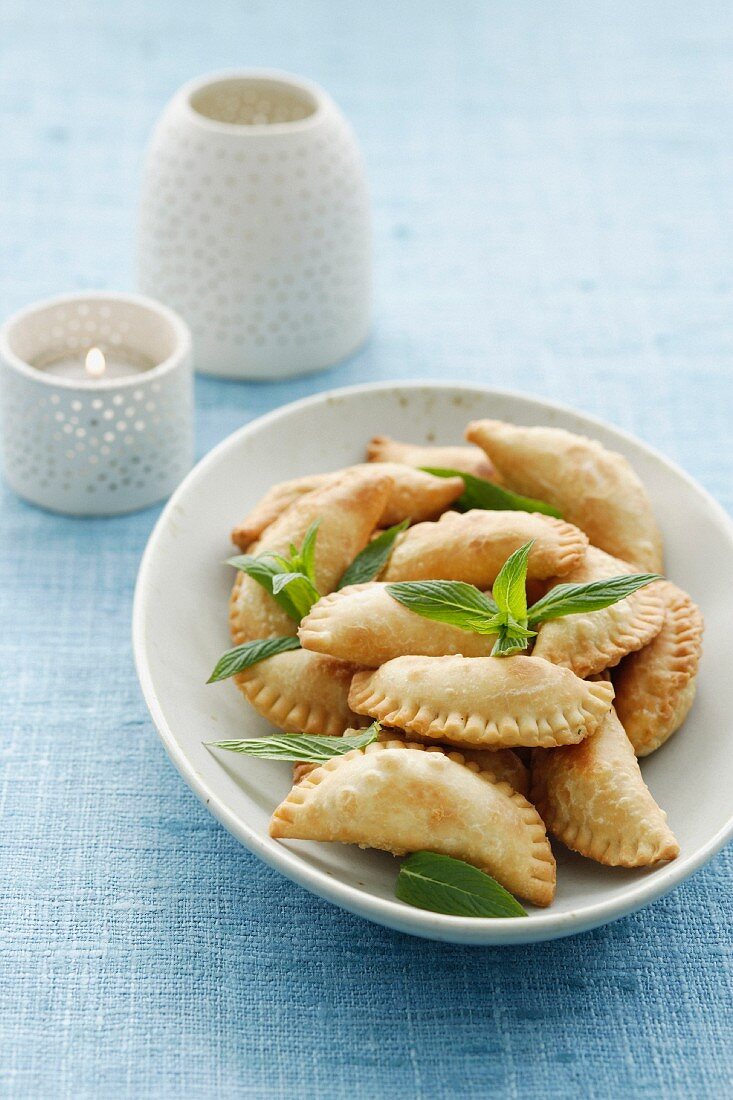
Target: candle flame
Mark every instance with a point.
(95, 363)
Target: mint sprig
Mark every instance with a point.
(301, 592)
(510, 588)
(442, 884)
(250, 653)
(301, 747)
(479, 493)
(296, 594)
(465, 606)
(507, 615)
(371, 561)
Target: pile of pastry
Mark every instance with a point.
(479, 756)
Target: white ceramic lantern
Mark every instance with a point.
(254, 225)
(96, 402)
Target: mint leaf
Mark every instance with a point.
(453, 602)
(371, 561)
(480, 493)
(301, 747)
(442, 884)
(573, 599)
(305, 561)
(263, 569)
(296, 601)
(300, 590)
(509, 643)
(509, 589)
(250, 653)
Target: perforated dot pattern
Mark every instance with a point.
(94, 449)
(258, 235)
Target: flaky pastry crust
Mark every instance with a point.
(482, 702)
(297, 691)
(414, 495)
(473, 546)
(594, 488)
(348, 510)
(402, 797)
(593, 798)
(470, 460)
(365, 625)
(655, 687)
(591, 642)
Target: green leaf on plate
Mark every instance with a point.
(510, 642)
(446, 885)
(300, 590)
(371, 561)
(304, 561)
(480, 493)
(250, 653)
(309, 749)
(510, 587)
(263, 569)
(453, 602)
(574, 599)
(295, 600)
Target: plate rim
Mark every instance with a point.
(543, 924)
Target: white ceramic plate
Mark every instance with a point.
(180, 629)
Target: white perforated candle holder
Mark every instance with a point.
(85, 444)
(255, 225)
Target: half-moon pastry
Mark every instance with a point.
(298, 691)
(470, 460)
(402, 798)
(415, 495)
(273, 504)
(595, 640)
(655, 687)
(593, 798)
(594, 488)
(348, 510)
(482, 702)
(365, 625)
(473, 546)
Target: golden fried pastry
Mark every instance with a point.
(301, 692)
(503, 765)
(273, 504)
(594, 640)
(592, 797)
(470, 460)
(297, 691)
(655, 687)
(403, 798)
(348, 510)
(482, 702)
(365, 625)
(594, 488)
(473, 546)
(414, 495)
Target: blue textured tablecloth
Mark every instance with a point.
(553, 197)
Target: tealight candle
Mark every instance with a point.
(95, 364)
(96, 402)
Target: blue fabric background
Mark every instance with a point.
(553, 198)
